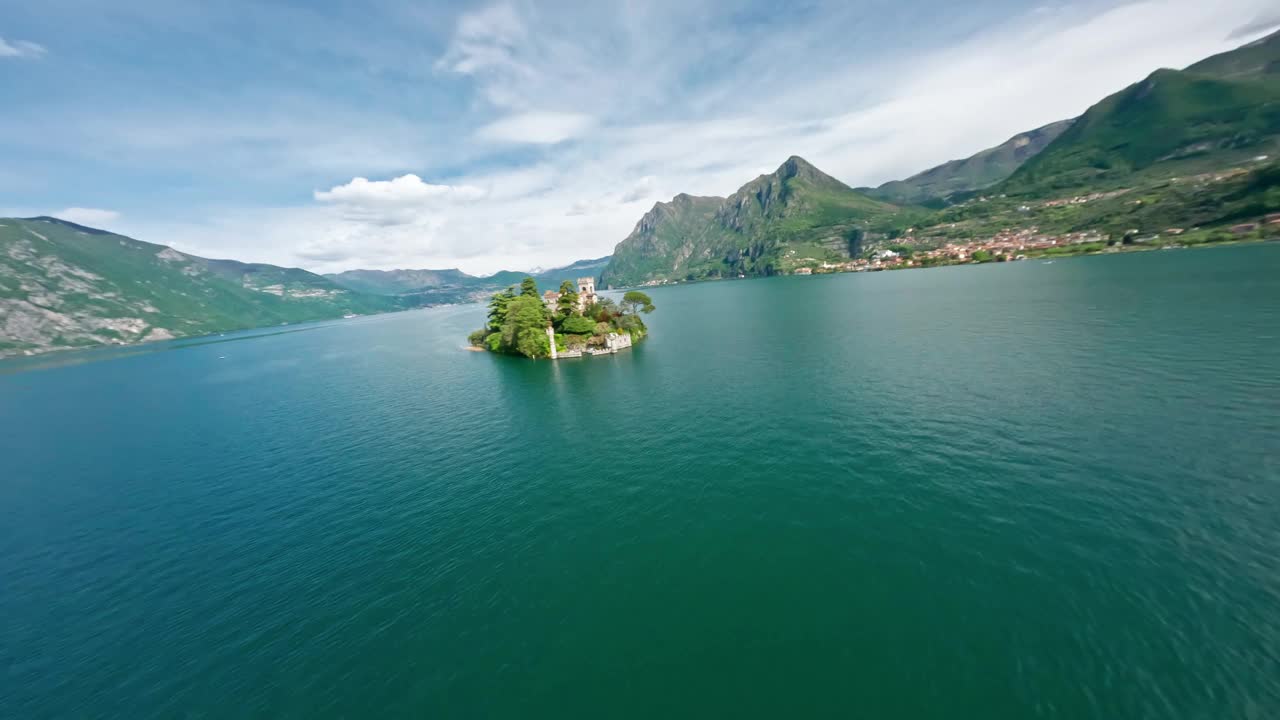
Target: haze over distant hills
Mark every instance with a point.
(453, 285)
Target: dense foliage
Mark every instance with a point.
(517, 322)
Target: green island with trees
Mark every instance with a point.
(521, 321)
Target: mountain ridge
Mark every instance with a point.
(64, 285)
(453, 285)
(976, 172)
(795, 208)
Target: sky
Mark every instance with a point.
(334, 135)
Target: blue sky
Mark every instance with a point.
(334, 135)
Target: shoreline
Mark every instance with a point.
(1113, 250)
(33, 356)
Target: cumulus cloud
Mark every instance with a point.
(404, 200)
(21, 49)
(92, 217)
(538, 128)
(406, 190)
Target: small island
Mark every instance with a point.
(570, 322)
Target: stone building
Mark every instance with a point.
(617, 341)
(586, 292)
(551, 299)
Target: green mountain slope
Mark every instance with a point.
(399, 282)
(1219, 111)
(797, 211)
(64, 285)
(970, 174)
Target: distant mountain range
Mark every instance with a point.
(1216, 114)
(1219, 111)
(429, 287)
(963, 177)
(64, 285)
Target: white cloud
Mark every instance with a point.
(406, 190)
(405, 200)
(486, 40)
(21, 49)
(93, 217)
(538, 128)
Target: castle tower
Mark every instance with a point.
(586, 292)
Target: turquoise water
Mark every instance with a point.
(1006, 491)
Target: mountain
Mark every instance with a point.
(398, 282)
(64, 285)
(581, 268)
(1222, 110)
(970, 174)
(795, 212)
(450, 286)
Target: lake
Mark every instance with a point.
(1000, 491)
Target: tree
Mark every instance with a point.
(529, 287)
(498, 309)
(636, 301)
(577, 325)
(568, 302)
(525, 330)
(602, 310)
(630, 323)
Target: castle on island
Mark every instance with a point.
(586, 295)
(613, 342)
